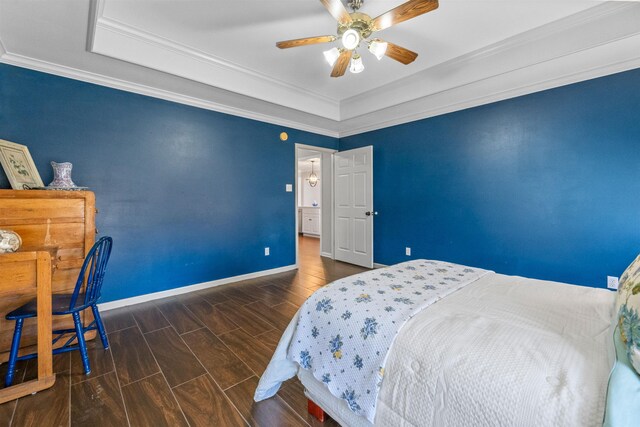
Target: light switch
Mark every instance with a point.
(289, 188)
(612, 282)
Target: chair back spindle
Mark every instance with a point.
(92, 273)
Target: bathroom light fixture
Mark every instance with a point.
(313, 178)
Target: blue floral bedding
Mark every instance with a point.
(345, 330)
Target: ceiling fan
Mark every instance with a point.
(355, 28)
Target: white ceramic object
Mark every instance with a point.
(10, 241)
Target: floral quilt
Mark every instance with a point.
(345, 329)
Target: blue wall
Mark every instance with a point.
(545, 185)
(189, 195)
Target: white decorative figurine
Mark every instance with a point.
(10, 241)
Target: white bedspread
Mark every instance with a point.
(503, 351)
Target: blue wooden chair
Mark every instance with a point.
(92, 272)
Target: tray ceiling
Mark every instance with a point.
(244, 33)
(222, 55)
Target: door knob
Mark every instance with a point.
(371, 213)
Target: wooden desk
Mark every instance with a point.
(23, 273)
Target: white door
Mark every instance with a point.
(353, 190)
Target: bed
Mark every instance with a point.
(471, 348)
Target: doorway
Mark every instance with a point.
(334, 204)
(314, 201)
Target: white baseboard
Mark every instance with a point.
(315, 236)
(378, 265)
(190, 288)
(326, 254)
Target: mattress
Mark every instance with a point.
(503, 350)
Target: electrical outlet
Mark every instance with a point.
(407, 251)
(612, 282)
(288, 188)
(266, 251)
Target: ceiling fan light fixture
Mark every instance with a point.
(378, 48)
(356, 64)
(350, 39)
(332, 55)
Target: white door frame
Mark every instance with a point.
(327, 180)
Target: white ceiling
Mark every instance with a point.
(221, 54)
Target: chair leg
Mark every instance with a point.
(15, 346)
(81, 343)
(100, 326)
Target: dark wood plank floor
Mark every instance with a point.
(194, 359)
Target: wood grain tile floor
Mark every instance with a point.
(190, 360)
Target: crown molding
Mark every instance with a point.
(492, 89)
(96, 8)
(123, 42)
(152, 38)
(102, 80)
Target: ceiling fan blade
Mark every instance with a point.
(338, 11)
(304, 42)
(405, 11)
(400, 54)
(341, 64)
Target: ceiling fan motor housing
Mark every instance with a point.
(361, 22)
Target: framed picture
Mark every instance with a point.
(18, 165)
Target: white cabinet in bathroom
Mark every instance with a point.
(311, 221)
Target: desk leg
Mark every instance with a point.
(46, 377)
(45, 355)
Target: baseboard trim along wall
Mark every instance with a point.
(190, 288)
(378, 265)
(326, 254)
